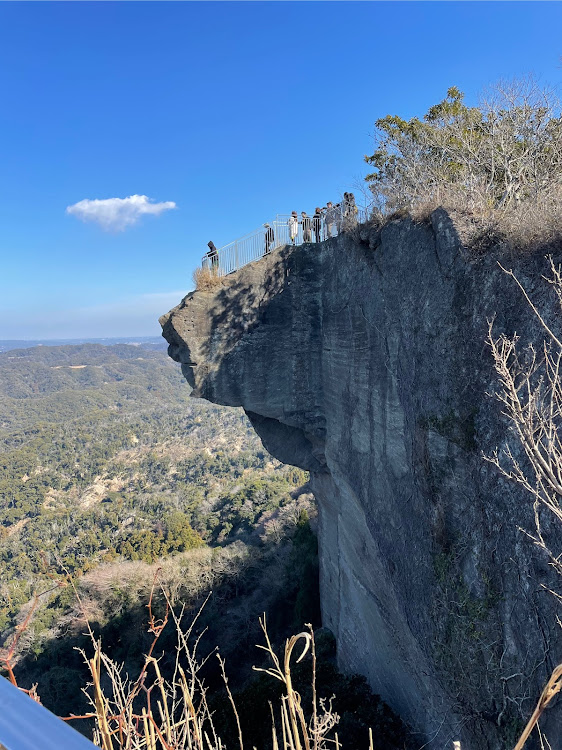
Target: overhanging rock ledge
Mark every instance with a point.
(363, 360)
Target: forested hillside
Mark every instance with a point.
(113, 478)
(105, 458)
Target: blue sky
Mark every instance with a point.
(233, 111)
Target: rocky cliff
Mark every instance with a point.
(363, 359)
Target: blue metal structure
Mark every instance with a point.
(25, 725)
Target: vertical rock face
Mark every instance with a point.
(363, 359)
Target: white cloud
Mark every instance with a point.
(116, 214)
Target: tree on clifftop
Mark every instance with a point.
(503, 153)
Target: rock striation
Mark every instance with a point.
(363, 360)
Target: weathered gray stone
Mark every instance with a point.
(363, 359)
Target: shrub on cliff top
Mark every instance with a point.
(205, 278)
(499, 162)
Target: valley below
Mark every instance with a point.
(115, 487)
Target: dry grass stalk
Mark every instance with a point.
(531, 395)
(179, 718)
(232, 703)
(297, 734)
(207, 278)
(551, 689)
(155, 713)
(151, 713)
(7, 654)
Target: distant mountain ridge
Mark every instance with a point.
(79, 354)
(145, 342)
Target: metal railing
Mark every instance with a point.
(278, 233)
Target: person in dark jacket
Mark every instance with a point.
(269, 238)
(345, 205)
(213, 256)
(306, 222)
(350, 212)
(317, 224)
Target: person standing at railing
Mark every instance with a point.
(350, 212)
(345, 208)
(330, 219)
(317, 224)
(213, 256)
(339, 217)
(269, 238)
(293, 226)
(306, 222)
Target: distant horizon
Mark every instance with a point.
(82, 338)
(7, 345)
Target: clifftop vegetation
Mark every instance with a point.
(499, 163)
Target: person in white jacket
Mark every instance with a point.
(293, 226)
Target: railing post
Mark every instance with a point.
(236, 254)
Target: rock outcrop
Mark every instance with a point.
(363, 359)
